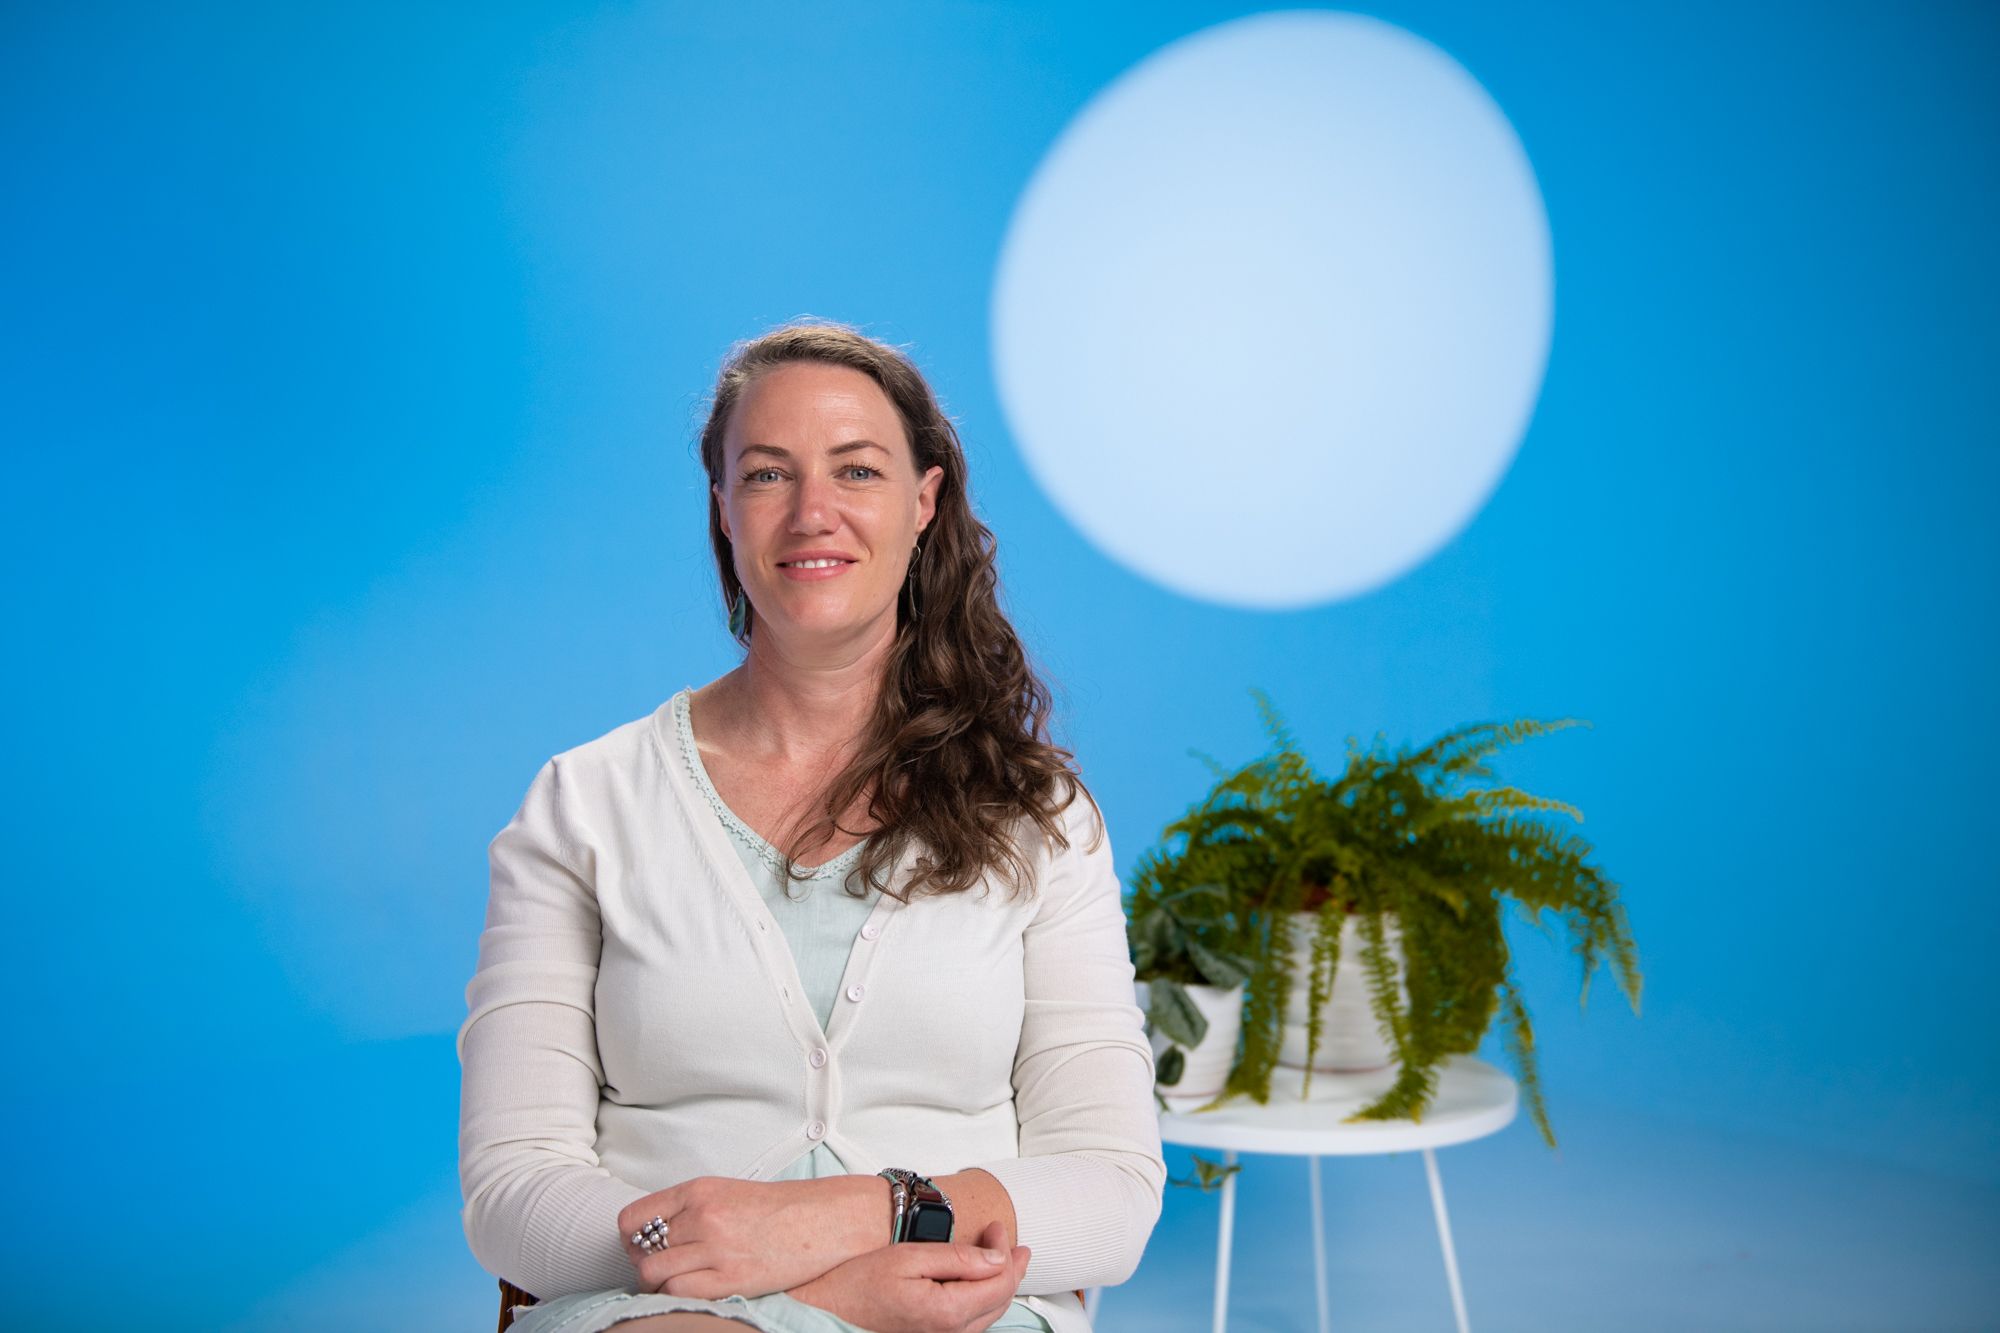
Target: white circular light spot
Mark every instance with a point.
(1273, 313)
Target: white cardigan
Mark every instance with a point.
(636, 1020)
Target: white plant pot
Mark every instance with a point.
(1350, 1037)
(1209, 1063)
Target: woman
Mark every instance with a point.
(843, 911)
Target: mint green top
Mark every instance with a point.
(820, 919)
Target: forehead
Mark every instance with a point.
(807, 405)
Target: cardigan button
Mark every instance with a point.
(816, 1130)
(855, 993)
(870, 931)
(818, 1058)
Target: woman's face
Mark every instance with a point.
(821, 501)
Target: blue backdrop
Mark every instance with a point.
(351, 362)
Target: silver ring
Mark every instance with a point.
(652, 1238)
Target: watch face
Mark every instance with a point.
(932, 1222)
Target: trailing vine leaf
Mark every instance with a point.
(1212, 1174)
(1207, 1176)
(1174, 1014)
(1218, 969)
(1171, 1065)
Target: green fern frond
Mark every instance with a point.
(1495, 800)
(1518, 1034)
(1210, 762)
(1462, 753)
(1275, 726)
(1383, 992)
(1407, 1098)
(1458, 740)
(1263, 1016)
(1322, 970)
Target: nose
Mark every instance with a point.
(813, 506)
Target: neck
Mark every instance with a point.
(798, 702)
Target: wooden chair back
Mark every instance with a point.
(511, 1296)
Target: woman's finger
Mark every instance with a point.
(662, 1204)
(976, 1304)
(706, 1284)
(951, 1262)
(676, 1261)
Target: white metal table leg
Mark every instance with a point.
(1225, 1239)
(1093, 1301)
(1319, 1246)
(1444, 1239)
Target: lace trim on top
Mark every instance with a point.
(837, 868)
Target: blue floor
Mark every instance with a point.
(1639, 1224)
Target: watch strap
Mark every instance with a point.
(918, 1209)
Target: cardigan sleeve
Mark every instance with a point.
(1086, 1185)
(539, 1209)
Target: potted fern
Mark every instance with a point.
(1400, 868)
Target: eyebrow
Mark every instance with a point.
(850, 447)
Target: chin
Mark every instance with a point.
(836, 619)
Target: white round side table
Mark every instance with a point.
(1473, 1100)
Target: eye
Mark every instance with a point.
(761, 474)
(862, 472)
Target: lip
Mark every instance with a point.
(816, 575)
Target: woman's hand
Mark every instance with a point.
(730, 1237)
(923, 1288)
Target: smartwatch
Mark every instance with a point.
(918, 1209)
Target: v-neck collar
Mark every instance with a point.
(727, 872)
(834, 868)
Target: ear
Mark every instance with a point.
(927, 494)
(721, 511)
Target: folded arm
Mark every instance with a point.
(1085, 1189)
(539, 1209)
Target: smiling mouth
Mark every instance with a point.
(812, 564)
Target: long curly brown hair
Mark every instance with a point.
(957, 759)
